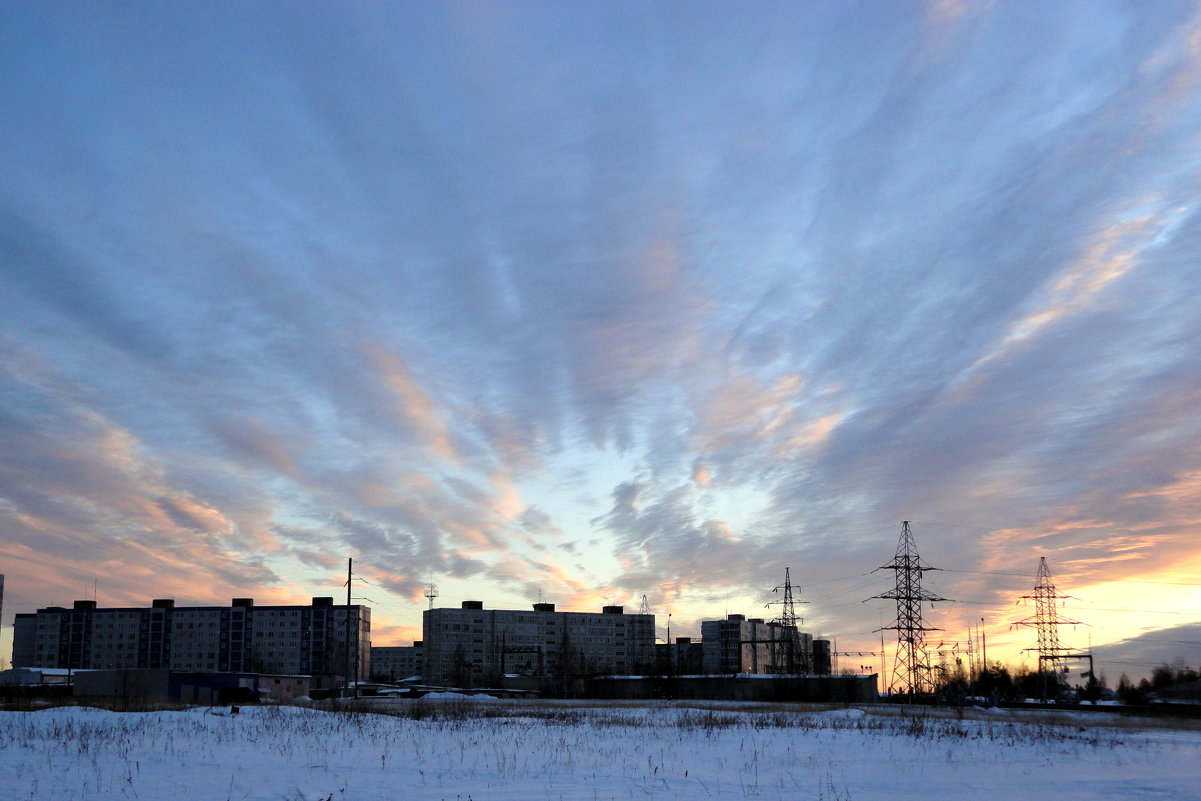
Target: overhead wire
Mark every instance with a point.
(1111, 581)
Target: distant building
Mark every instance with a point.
(24, 628)
(680, 658)
(239, 638)
(739, 645)
(474, 647)
(823, 658)
(393, 663)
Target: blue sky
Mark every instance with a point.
(592, 301)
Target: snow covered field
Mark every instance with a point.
(505, 751)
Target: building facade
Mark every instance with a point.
(679, 658)
(393, 663)
(739, 645)
(318, 639)
(475, 647)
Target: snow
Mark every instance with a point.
(517, 751)
(444, 696)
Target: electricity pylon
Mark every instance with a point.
(1046, 620)
(911, 669)
(796, 659)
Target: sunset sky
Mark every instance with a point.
(586, 301)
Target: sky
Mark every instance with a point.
(588, 302)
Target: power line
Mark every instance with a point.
(1136, 640)
(840, 578)
(1111, 581)
(1126, 662)
(1093, 608)
(1139, 611)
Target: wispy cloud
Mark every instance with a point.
(599, 301)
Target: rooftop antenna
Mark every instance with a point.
(644, 608)
(431, 592)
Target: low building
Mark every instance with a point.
(284, 688)
(473, 647)
(138, 687)
(31, 677)
(757, 688)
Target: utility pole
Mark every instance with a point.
(971, 656)
(984, 643)
(911, 668)
(351, 645)
(354, 630)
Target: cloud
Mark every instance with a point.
(715, 295)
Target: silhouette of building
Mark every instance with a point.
(473, 647)
(739, 645)
(241, 637)
(682, 657)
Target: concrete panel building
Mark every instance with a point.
(393, 663)
(682, 657)
(473, 647)
(24, 635)
(319, 639)
(738, 645)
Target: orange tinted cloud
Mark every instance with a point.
(413, 404)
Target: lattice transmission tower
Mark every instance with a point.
(1046, 620)
(911, 671)
(787, 604)
(796, 658)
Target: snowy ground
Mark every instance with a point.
(506, 751)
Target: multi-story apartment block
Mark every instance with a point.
(242, 637)
(473, 646)
(397, 662)
(739, 645)
(680, 658)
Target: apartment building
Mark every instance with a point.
(241, 637)
(739, 645)
(472, 646)
(394, 663)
